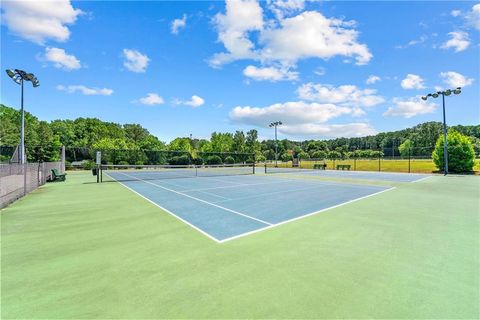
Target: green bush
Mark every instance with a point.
(319, 154)
(123, 163)
(180, 160)
(68, 165)
(461, 156)
(214, 160)
(303, 155)
(229, 160)
(88, 165)
(286, 157)
(198, 161)
(260, 158)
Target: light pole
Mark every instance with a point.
(436, 95)
(275, 125)
(19, 76)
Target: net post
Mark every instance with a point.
(254, 162)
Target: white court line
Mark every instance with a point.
(168, 211)
(421, 179)
(247, 185)
(303, 216)
(318, 185)
(200, 200)
(201, 191)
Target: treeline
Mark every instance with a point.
(43, 140)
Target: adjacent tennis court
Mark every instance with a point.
(362, 175)
(226, 202)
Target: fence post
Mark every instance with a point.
(379, 162)
(24, 179)
(63, 159)
(408, 160)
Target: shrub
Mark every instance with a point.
(88, 165)
(229, 160)
(286, 157)
(319, 154)
(303, 155)
(123, 163)
(214, 160)
(461, 156)
(180, 160)
(68, 165)
(260, 158)
(198, 161)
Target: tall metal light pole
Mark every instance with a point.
(276, 124)
(19, 76)
(436, 95)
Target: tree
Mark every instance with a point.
(461, 156)
(334, 155)
(238, 142)
(251, 141)
(319, 154)
(302, 155)
(221, 142)
(405, 148)
(286, 157)
(180, 144)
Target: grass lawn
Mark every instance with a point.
(85, 250)
(388, 165)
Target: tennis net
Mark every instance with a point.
(285, 167)
(159, 172)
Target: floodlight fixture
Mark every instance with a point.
(444, 93)
(275, 125)
(19, 76)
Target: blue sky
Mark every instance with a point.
(325, 69)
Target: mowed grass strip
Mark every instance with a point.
(84, 250)
(385, 164)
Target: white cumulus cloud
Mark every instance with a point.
(306, 35)
(458, 41)
(302, 119)
(455, 79)
(290, 113)
(85, 90)
(39, 21)
(151, 99)
(195, 101)
(408, 108)
(240, 18)
(346, 95)
(269, 73)
(473, 17)
(135, 61)
(412, 81)
(372, 79)
(178, 24)
(329, 130)
(61, 59)
(282, 8)
(455, 13)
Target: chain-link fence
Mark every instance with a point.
(16, 180)
(413, 160)
(84, 158)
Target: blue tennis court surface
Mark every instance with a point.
(226, 207)
(363, 175)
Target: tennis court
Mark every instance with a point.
(346, 174)
(225, 203)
